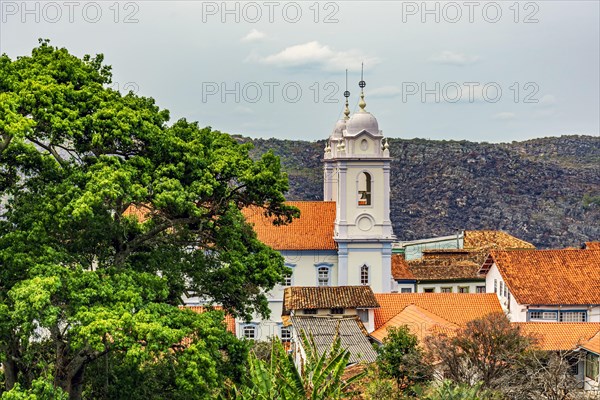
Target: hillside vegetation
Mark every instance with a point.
(545, 191)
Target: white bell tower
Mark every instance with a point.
(357, 177)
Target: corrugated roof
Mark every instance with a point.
(421, 323)
(229, 320)
(550, 277)
(493, 239)
(315, 297)
(457, 308)
(312, 231)
(351, 331)
(560, 335)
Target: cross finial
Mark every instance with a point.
(362, 104)
(346, 95)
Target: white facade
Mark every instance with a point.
(453, 287)
(536, 312)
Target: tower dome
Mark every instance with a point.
(339, 129)
(362, 121)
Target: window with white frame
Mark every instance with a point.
(364, 275)
(543, 315)
(249, 331)
(463, 289)
(405, 290)
(496, 286)
(287, 280)
(323, 276)
(573, 316)
(285, 334)
(501, 288)
(446, 290)
(480, 289)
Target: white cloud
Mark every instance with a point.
(385, 92)
(452, 58)
(317, 55)
(253, 36)
(504, 116)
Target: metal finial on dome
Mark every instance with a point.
(362, 104)
(346, 95)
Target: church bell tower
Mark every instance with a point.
(357, 177)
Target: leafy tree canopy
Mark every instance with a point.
(109, 215)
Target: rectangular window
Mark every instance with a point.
(463, 289)
(543, 315)
(323, 276)
(405, 290)
(364, 275)
(309, 311)
(591, 366)
(285, 334)
(496, 286)
(249, 331)
(363, 315)
(337, 310)
(446, 290)
(480, 289)
(501, 288)
(287, 281)
(429, 290)
(573, 316)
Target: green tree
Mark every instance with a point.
(108, 216)
(321, 376)
(401, 359)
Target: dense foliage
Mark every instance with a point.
(108, 216)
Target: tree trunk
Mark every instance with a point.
(11, 371)
(75, 384)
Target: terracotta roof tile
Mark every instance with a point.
(592, 245)
(312, 231)
(593, 344)
(457, 308)
(490, 239)
(229, 320)
(550, 277)
(461, 270)
(315, 297)
(421, 323)
(560, 335)
(400, 269)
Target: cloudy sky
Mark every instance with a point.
(481, 71)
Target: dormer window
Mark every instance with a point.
(364, 189)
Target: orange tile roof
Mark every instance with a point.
(312, 231)
(421, 323)
(592, 245)
(593, 344)
(457, 308)
(229, 320)
(400, 269)
(318, 297)
(560, 335)
(550, 277)
(493, 239)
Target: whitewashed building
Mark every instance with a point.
(546, 285)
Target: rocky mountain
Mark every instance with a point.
(545, 191)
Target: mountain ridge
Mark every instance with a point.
(545, 191)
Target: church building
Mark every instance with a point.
(345, 240)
